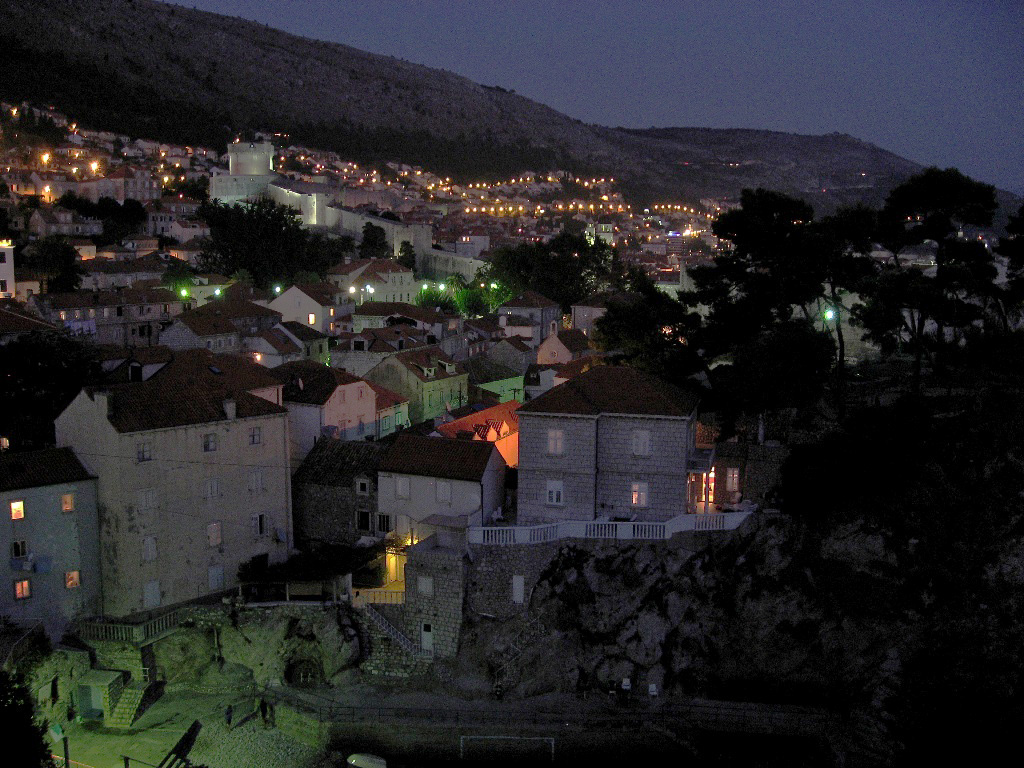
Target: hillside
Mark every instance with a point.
(164, 71)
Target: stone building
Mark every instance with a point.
(611, 443)
(433, 382)
(49, 501)
(334, 493)
(193, 480)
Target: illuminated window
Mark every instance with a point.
(732, 479)
(641, 442)
(312, 318)
(17, 510)
(556, 442)
(444, 491)
(213, 534)
(72, 579)
(22, 590)
(209, 442)
(707, 489)
(67, 502)
(255, 435)
(555, 492)
(638, 494)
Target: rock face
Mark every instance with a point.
(752, 617)
(290, 645)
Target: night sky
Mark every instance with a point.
(940, 82)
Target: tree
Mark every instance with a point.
(57, 259)
(1012, 248)
(40, 373)
(770, 270)
(263, 237)
(26, 743)
(407, 255)
(178, 275)
(374, 244)
(567, 269)
(651, 331)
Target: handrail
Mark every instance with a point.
(395, 633)
(604, 531)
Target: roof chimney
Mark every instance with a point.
(230, 409)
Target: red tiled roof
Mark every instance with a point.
(530, 299)
(204, 324)
(614, 389)
(574, 340)
(34, 469)
(505, 412)
(13, 319)
(437, 457)
(307, 381)
(415, 360)
(387, 398)
(322, 293)
(280, 342)
(233, 309)
(189, 390)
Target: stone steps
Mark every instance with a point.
(127, 705)
(387, 659)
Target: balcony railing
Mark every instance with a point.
(136, 633)
(584, 529)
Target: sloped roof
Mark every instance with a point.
(530, 299)
(574, 340)
(310, 382)
(280, 342)
(415, 360)
(437, 457)
(34, 469)
(322, 293)
(483, 370)
(391, 308)
(505, 412)
(387, 398)
(234, 308)
(14, 319)
(191, 389)
(302, 332)
(340, 462)
(85, 299)
(574, 368)
(202, 324)
(614, 389)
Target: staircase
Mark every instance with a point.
(127, 705)
(391, 654)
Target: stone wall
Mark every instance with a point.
(329, 514)
(58, 674)
(434, 594)
(489, 588)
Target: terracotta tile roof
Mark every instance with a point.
(505, 412)
(206, 324)
(233, 308)
(574, 368)
(574, 340)
(520, 320)
(517, 343)
(530, 299)
(310, 382)
(322, 293)
(437, 457)
(34, 469)
(144, 355)
(190, 390)
(387, 398)
(614, 389)
(14, 319)
(416, 360)
(302, 332)
(339, 462)
(400, 309)
(84, 299)
(488, 324)
(241, 291)
(483, 370)
(280, 342)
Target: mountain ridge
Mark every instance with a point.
(141, 65)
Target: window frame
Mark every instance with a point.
(22, 589)
(555, 495)
(641, 442)
(17, 509)
(72, 579)
(209, 442)
(67, 502)
(214, 534)
(556, 442)
(639, 494)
